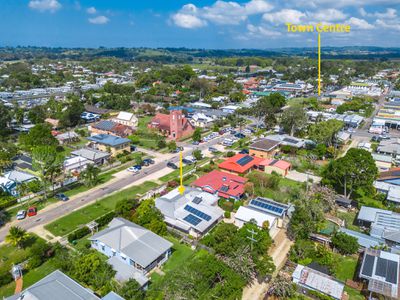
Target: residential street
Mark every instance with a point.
(122, 180)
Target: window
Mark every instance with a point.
(103, 248)
(114, 253)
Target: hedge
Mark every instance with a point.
(7, 202)
(105, 219)
(78, 234)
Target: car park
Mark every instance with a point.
(21, 215)
(32, 211)
(61, 197)
(172, 165)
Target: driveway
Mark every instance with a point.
(302, 177)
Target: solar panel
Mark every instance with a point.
(368, 265)
(267, 206)
(192, 219)
(197, 213)
(245, 160)
(197, 200)
(273, 162)
(391, 275)
(381, 267)
(292, 141)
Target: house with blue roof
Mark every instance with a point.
(110, 143)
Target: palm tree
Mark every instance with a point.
(90, 175)
(17, 236)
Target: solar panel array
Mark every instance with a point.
(192, 219)
(245, 160)
(197, 213)
(292, 141)
(275, 208)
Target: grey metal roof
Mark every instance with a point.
(363, 240)
(105, 125)
(91, 154)
(108, 139)
(112, 296)
(58, 286)
(134, 241)
(126, 272)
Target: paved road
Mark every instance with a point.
(125, 180)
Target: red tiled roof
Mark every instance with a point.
(231, 164)
(216, 180)
(162, 121)
(281, 164)
(390, 174)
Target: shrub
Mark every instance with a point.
(227, 214)
(7, 202)
(227, 206)
(230, 154)
(5, 276)
(34, 262)
(78, 234)
(104, 220)
(172, 184)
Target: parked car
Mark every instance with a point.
(133, 169)
(61, 197)
(195, 143)
(240, 135)
(172, 165)
(21, 215)
(139, 167)
(148, 161)
(212, 149)
(244, 151)
(32, 211)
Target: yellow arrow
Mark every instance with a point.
(319, 64)
(181, 188)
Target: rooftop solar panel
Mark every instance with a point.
(245, 160)
(197, 212)
(268, 205)
(224, 188)
(391, 275)
(192, 219)
(368, 265)
(293, 141)
(381, 267)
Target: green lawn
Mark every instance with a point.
(349, 218)
(345, 268)
(353, 294)
(180, 254)
(86, 214)
(29, 278)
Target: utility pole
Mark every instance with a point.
(252, 239)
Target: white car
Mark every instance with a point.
(133, 170)
(21, 215)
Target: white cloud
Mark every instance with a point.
(221, 12)
(340, 3)
(363, 12)
(327, 15)
(45, 5)
(261, 31)
(91, 10)
(285, 16)
(359, 23)
(99, 20)
(388, 24)
(390, 13)
(187, 21)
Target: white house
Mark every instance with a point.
(126, 118)
(201, 120)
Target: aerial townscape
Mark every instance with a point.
(208, 149)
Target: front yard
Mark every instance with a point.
(86, 214)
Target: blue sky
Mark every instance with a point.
(196, 23)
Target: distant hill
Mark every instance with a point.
(185, 55)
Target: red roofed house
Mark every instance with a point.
(174, 125)
(222, 184)
(274, 165)
(240, 164)
(244, 163)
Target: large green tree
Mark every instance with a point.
(149, 216)
(356, 170)
(39, 135)
(325, 132)
(346, 244)
(267, 108)
(5, 119)
(293, 119)
(7, 152)
(48, 162)
(90, 176)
